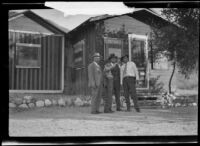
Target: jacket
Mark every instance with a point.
(94, 75)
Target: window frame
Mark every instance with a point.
(105, 39)
(38, 46)
(78, 66)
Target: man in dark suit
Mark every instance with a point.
(116, 80)
(108, 86)
(95, 83)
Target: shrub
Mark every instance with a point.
(155, 87)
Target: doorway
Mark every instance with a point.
(138, 53)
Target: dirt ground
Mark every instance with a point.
(77, 121)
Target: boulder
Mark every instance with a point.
(86, 103)
(18, 101)
(89, 102)
(190, 104)
(28, 97)
(47, 102)
(68, 101)
(78, 102)
(31, 105)
(23, 106)
(24, 101)
(177, 104)
(88, 98)
(61, 102)
(40, 103)
(194, 104)
(54, 102)
(12, 105)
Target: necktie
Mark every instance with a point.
(125, 70)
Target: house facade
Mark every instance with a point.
(46, 58)
(120, 34)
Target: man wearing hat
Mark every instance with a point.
(129, 75)
(95, 83)
(116, 79)
(108, 85)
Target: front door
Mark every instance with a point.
(139, 54)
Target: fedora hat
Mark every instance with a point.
(123, 57)
(112, 56)
(96, 55)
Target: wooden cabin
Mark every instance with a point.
(46, 58)
(36, 54)
(120, 34)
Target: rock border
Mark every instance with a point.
(29, 102)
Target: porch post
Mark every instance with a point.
(129, 47)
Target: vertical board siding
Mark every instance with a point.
(40, 72)
(59, 61)
(52, 69)
(48, 76)
(48, 63)
(45, 62)
(55, 63)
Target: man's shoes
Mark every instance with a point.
(109, 111)
(119, 109)
(137, 110)
(97, 112)
(128, 110)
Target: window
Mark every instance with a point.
(79, 54)
(112, 45)
(138, 52)
(28, 55)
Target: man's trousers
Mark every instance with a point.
(129, 85)
(107, 94)
(96, 98)
(116, 91)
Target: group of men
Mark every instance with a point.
(106, 81)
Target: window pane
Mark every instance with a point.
(27, 56)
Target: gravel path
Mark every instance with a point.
(84, 124)
(68, 127)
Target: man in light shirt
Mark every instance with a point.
(129, 76)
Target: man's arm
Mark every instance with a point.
(108, 68)
(136, 71)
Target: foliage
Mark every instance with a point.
(155, 86)
(179, 41)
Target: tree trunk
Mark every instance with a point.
(170, 80)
